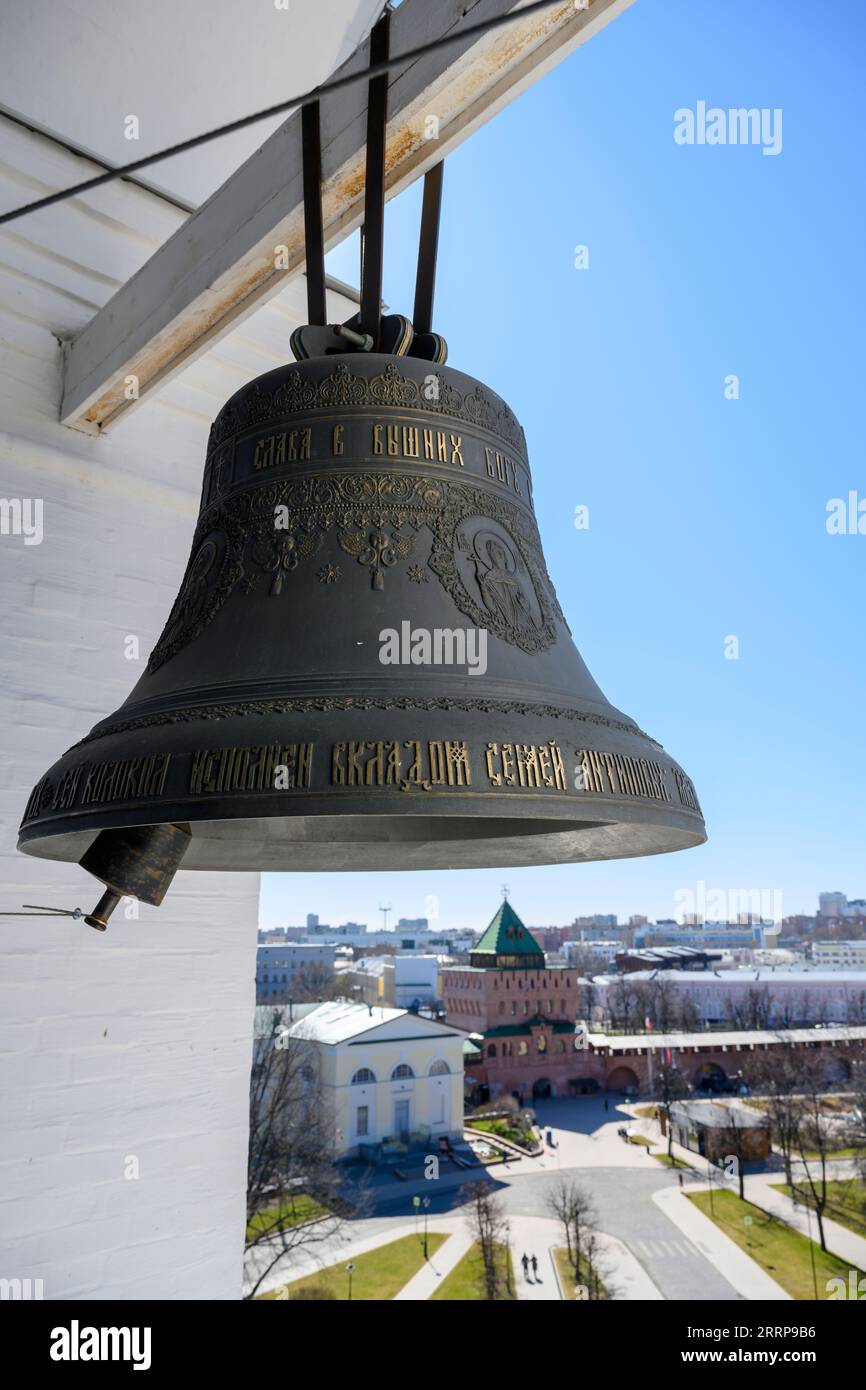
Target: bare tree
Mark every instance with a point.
(777, 1075)
(690, 1018)
(295, 1194)
(814, 1141)
(572, 1207)
(669, 1085)
(857, 1008)
(598, 1285)
(486, 1220)
(754, 1011)
(623, 1004)
(855, 1130)
(663, 1005)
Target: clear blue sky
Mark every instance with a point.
(707, 516)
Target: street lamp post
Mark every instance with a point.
(350, 1270)
(426, 1205)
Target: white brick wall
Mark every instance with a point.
(136, 1042)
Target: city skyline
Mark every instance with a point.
(271, 916)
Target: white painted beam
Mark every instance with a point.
(220, 265)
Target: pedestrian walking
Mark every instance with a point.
(524, 1260)
(534, 1263)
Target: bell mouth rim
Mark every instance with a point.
(429, 837)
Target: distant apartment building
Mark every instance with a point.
(552, 938)
(599, 933)
(836, 906)
(397, 982)
(599, 919)
(710, 935)
(832, 904)
(285, 971)
(604, 951)
(842, 955)
(272, 936)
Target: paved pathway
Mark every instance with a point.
(424, 1284)
(734, 1264)
(535, 1235)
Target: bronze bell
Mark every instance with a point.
(366, 666)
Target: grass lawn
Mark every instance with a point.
(378, 1275)
(465, 1283)
(646, 1112)
(568, 1280)
(294, 1212)
(669, 1162)
(641, 1139)
(775, 1246)
(846, 1202)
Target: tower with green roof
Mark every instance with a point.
(507, 944)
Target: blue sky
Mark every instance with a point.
(707, 515)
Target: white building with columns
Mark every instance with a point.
(389, 1077)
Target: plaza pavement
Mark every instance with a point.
(759, 1188)
(725, 1255)
(659, 1244)
(535, 1235)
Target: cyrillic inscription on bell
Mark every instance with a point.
(366, 666)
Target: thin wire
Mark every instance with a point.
(51, 912)
(338, 84)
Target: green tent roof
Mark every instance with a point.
(507, 936)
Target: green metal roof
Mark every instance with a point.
(507, 936)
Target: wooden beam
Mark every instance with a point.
(225, 260)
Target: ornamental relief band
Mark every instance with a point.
(391, 764)
(482, 546)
